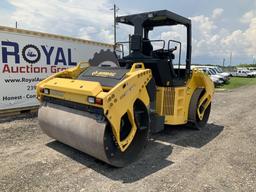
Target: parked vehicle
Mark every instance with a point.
(243, 73)
(219, 71)
(216, 78)
(252, 70)
(216, 81)
(215, 71)
(221, 76)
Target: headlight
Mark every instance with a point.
(91, 100)
(47, 91)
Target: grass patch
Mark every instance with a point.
(236, 82)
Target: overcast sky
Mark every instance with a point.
(219, 27)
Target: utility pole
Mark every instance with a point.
(115, 9)
(230, 59)
(16, 24)
(223, 63)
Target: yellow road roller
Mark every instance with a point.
(107, 107)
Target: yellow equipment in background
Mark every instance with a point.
(107, 107)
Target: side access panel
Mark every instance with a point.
(172, 104)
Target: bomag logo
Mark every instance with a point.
(103, 74)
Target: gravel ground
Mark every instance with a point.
(222, 157)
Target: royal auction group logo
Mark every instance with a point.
(49, 58)
(31, 54)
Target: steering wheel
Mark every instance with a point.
(173, 49)
(158, 50)
(165, 51)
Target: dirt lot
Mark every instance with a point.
(222, 157)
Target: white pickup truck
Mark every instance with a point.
(243, 73)
(217, 79)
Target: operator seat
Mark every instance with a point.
(147, 47)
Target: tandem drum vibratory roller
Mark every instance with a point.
(108, 106)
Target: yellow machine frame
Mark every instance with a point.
(171, 102)
(116, 101)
